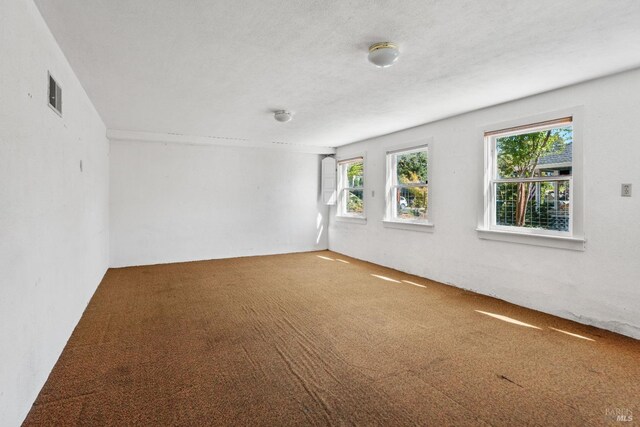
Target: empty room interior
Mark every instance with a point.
(319, 212)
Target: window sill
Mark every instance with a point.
(559, 242)
(425, 227)
(351, 219)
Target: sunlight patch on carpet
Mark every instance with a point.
(572, 334)
(413, 283)
(388, 279)
(507, 319)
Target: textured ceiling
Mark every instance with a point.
(219, 68)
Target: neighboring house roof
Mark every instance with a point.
(557, 157)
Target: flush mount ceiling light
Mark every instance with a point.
(383, 54)
(282, 116)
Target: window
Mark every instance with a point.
(351, 188)
(55, 95)
(408, 185)
(530, 178)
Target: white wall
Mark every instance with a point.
(600, 286)
(176, 202)
(53, 216)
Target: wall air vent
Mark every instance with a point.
(55, 95)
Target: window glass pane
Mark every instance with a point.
(59, 99)
(52, 92)
(412, 168)
(542, 205)
(411, 203)
(354, 202)
(542, 153)
(355, 174)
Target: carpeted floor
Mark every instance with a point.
(323, 339)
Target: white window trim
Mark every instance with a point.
(388, 220)
(575, 238)
(559, 242)
(340, 214)
(351, 219)
(422, 226)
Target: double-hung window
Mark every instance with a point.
(351, 188)
(530, 184)
(408, 185)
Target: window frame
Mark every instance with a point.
(390, 217)
(488, 229)
(343, 189)
(57, 96)
(494, 179)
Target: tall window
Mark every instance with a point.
(55, 95)
(351, 188)
(530, 181)
(407, 185)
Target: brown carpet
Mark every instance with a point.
(306, 339)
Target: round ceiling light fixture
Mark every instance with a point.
(383, 54)
(282, 116)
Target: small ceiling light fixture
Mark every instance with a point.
(383, 54)
(282, 116)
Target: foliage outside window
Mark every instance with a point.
(351, 188)
(531, 183)
(408, 187)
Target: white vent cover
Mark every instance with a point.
(329, 181)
